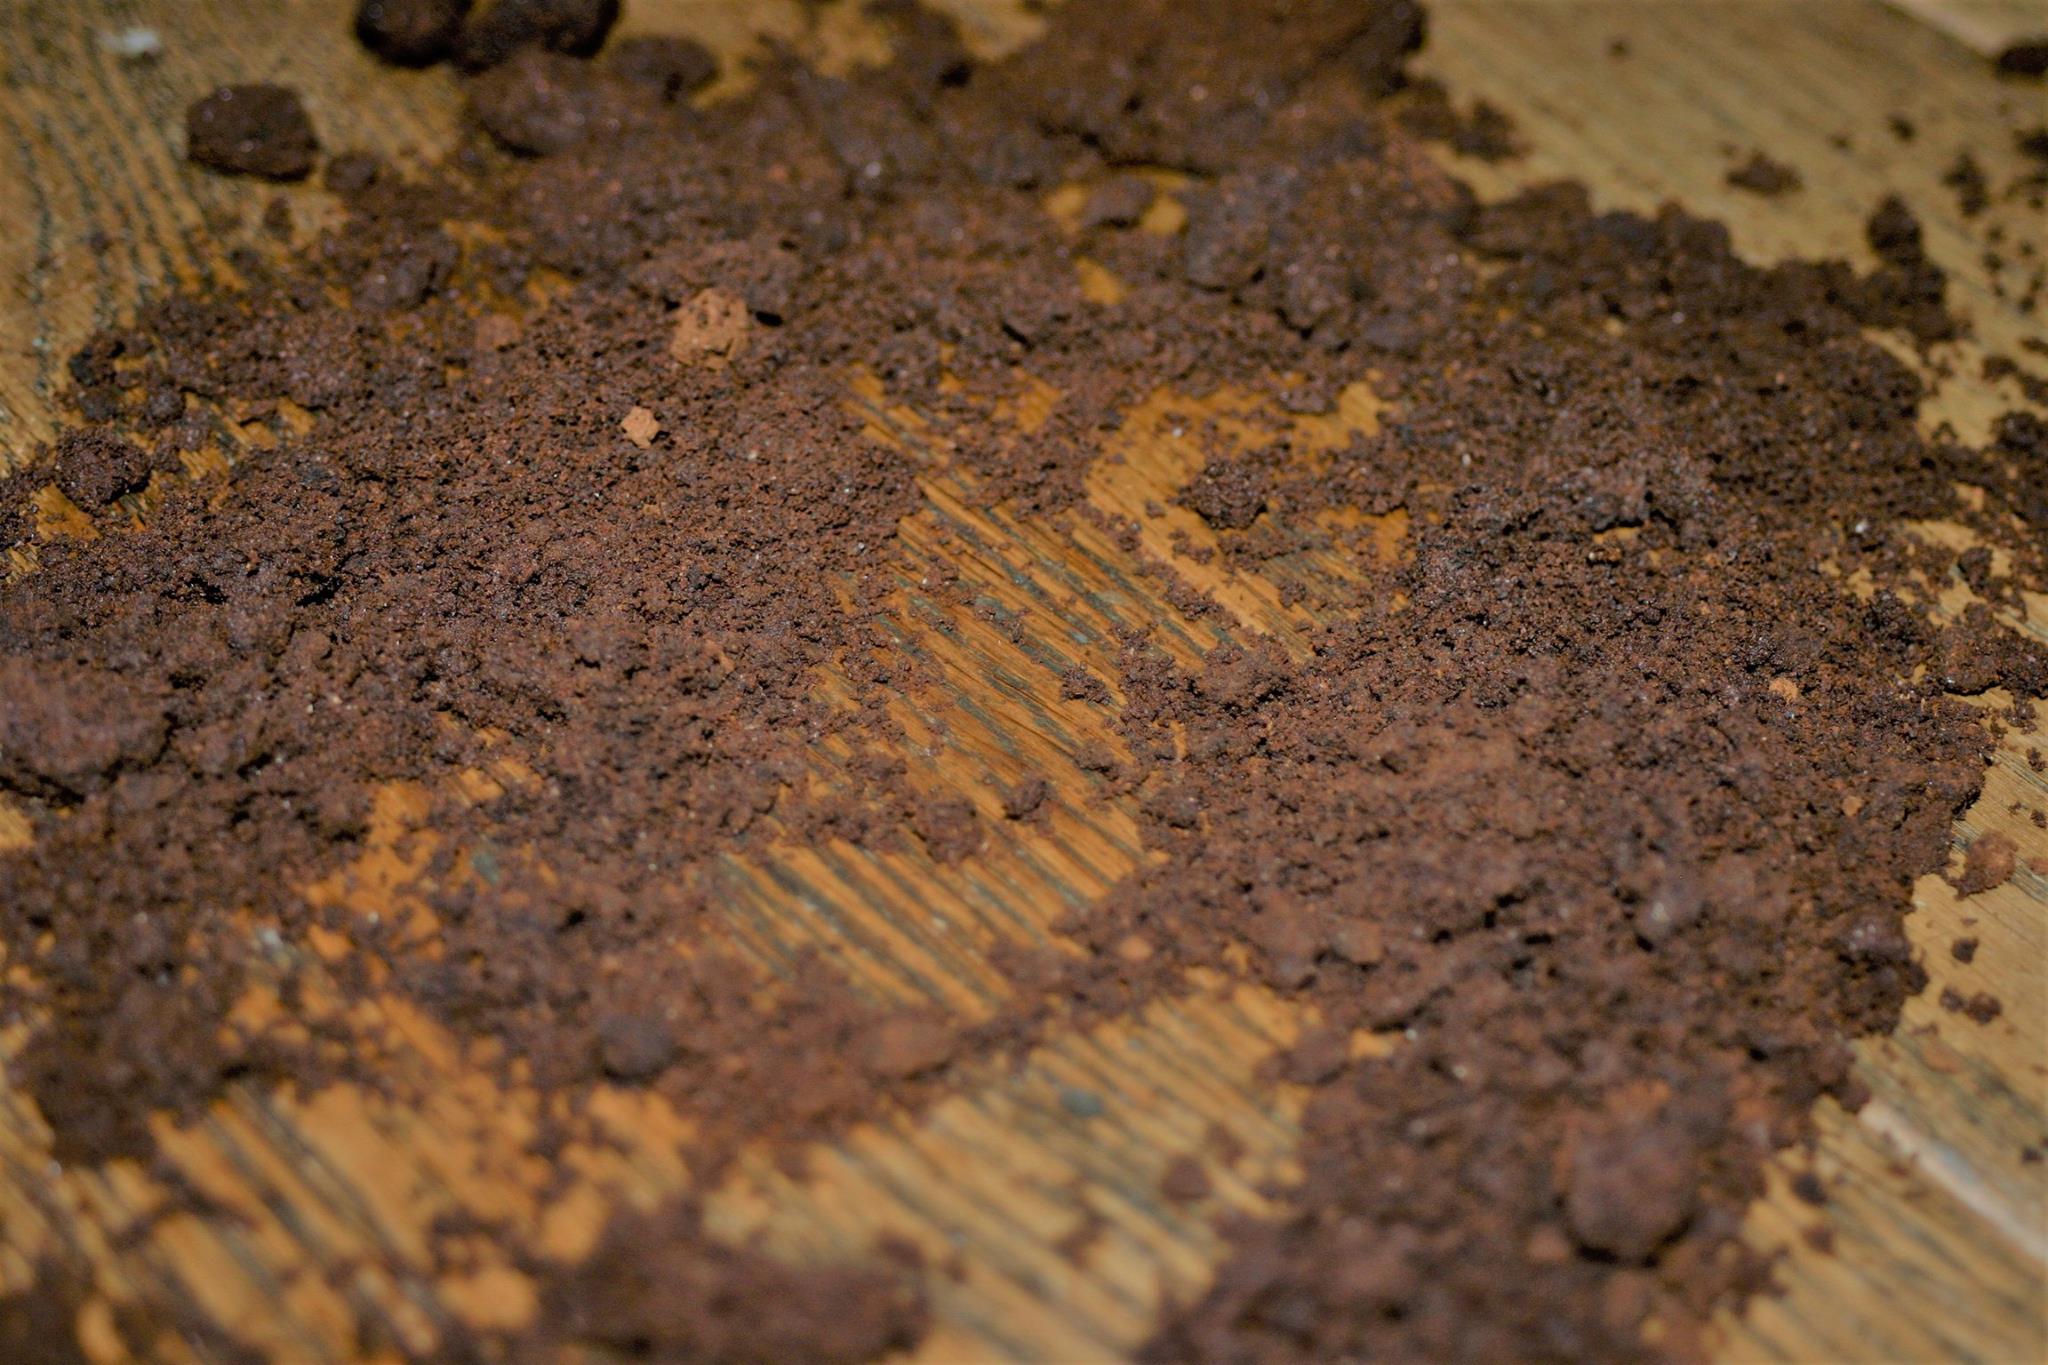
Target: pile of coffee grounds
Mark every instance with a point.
(1603, 806)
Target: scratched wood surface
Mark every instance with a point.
(1939, 1226)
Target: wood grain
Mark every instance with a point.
(1937, 1222)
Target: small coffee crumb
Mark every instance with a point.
(1964, 950)
(576, 28)
(1973, 188)
(1988, 862)
(2027, 58)
(1980, 1008)
(1023, 797)
(640, 427)
(710, 329)
(258, 130)
(1763, 175)
(410, 32)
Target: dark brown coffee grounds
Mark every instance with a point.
(1486, 132)
(1972, 187)
(1762, 175)
(2026, 59)
(252, 130)
(658, 1289)
(1599, 803)
(496, 29)
(410, 32)
(1979, 1008)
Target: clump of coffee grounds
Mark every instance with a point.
(657, 1288)
(259, 130)
(1605, 805)
(1486, 132)
(1762, 174)
(481, 35)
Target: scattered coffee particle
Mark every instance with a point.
(93, 467)
(659, 1288)
(1763, 175)
(1964, 950)
(1186, 1181)
(1808, 1187)
(2032, 142)
(1096, 757)
(1973, 188)
(640, 426)
(1078, 684)
(1025, 796)
(1974, 565)
(948, 825)
(1228, 494)
(1988, 862)
(251, 130)
(1902, 127)
(2027, 59)
(410, 32)
(710, 329)
(1980, 1007)
(496, 29)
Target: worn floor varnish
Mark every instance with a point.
(1938, 1237)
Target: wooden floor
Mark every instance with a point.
(1939, 1224)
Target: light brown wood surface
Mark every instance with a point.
(1939, 1225)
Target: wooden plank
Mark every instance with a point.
(1936, 1221)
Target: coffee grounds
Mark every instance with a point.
(1763, 175)
(1972, 187)
(2026, 58)
(657, 1289)
(410, 32)
(499, 28)
(252, 130)
(1601, 806)
(1988, 863)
